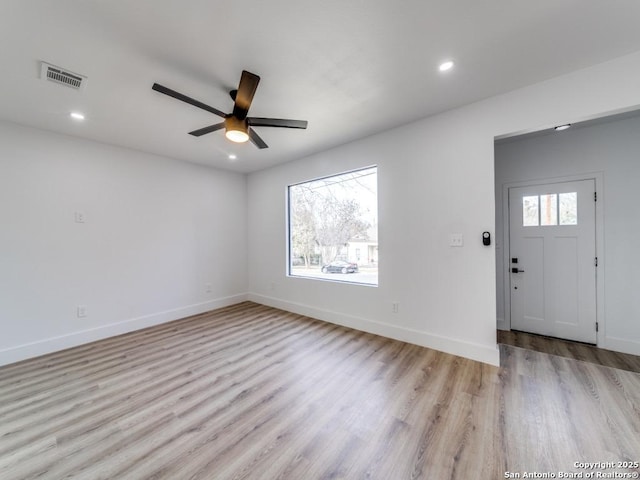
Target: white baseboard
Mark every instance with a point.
(54, 344)
(622, 345)
(473, 351)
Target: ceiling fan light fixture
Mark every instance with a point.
(236, 124)
(237, 136)
(236, 130)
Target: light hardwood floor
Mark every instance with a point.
(575, 350)
(251, 392)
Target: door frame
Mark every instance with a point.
(598, 177)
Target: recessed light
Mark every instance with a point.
(77, 115)
(559, 128)
(232, 156)
(448, 65)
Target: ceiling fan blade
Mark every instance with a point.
(205, 130)
(276, 122)
(244, 95)
(256, 140)
(179, 96)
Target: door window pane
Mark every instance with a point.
(530, 211)
(569, 208)
(549, 209)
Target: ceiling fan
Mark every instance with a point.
(237, 125)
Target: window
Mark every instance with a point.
(568, 208)
(333, 228)
(550, 209)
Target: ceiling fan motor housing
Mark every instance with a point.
(234, 123)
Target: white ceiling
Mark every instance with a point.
(351, 67)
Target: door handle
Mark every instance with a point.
(516, 270)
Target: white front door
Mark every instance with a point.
(552, 259)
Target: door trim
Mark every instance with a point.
(598, 177)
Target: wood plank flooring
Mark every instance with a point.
(575, 350)
(251, 392)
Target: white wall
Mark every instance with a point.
(612, 148)
(422, 199)
(157, 232)
(436, 177)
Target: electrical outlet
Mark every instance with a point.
(80, 217)
(456, 240)
(208, 288)
(82, 311)
(395, 306)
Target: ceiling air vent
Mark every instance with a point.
(62, 76)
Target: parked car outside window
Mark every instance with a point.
(340, 266)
